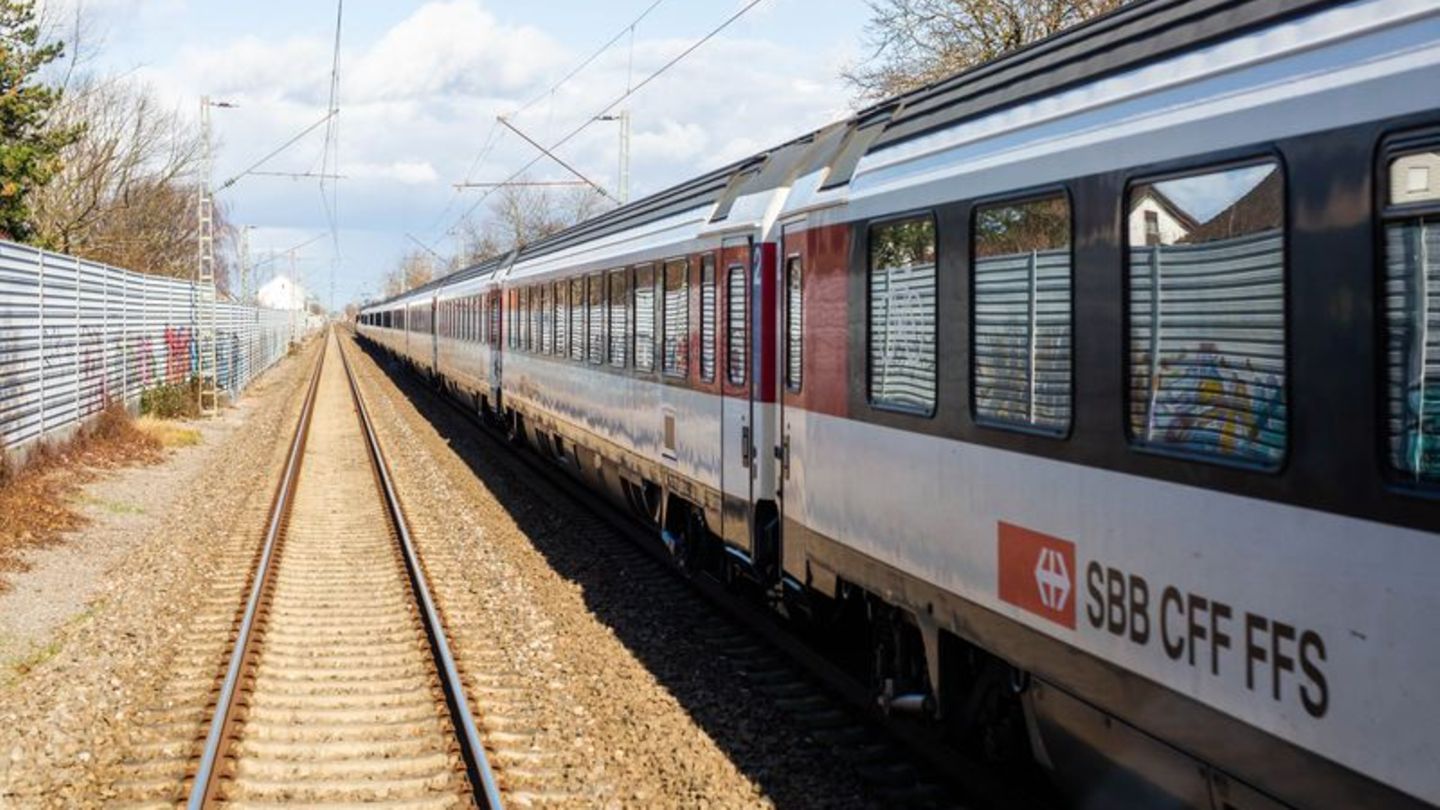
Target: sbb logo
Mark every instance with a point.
(1037, 573)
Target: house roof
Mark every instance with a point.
(1261, 208)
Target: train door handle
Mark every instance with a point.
(745, 446)
(782, 453)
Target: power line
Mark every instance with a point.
(262, 161)
(484, 152)
(491, 139)
(293, 249)
(557, 159)
(330, 161)
(541, 183)
(630, 29)
(613, 104)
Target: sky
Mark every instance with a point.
(422, 82)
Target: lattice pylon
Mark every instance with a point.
(207, 365)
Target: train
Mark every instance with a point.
(1087, 400)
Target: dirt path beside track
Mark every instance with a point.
(89, 633)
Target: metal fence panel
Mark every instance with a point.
(21, 398)
(76, 335)
(1022, 338)
(1207, 346)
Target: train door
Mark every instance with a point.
(737, 440)
(435, 335)
(495, 324)
(789, 353)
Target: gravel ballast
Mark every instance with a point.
(625, 698)
(99, 622)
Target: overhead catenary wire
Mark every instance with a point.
(272, 154)
(629, 29)
(489, 144)
(330, 159)
(492, 137)
(616, 102)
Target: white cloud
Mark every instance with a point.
(452, 48)
(419, 99)
(409, 172)
(673, 141)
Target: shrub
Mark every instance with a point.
(172, 401)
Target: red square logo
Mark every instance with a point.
(1037, 573)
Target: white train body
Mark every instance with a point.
(1261, 603)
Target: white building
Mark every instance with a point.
(1156, 220)
(282, 292)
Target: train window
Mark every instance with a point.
(619, 317)
(707, 318)
(1207, 315)
(1412, 317)
(794, 324)
(516, 340)
(645, 318)
(675, 328)
(1020, 359)
(532, 319)
(526, 310)
(577, 319)
(545, 344)
(735, 289)
(561, 297)
(597, 319)
(902, 315)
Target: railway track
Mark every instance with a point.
(903, 763)
(341, 687)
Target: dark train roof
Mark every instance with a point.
(1124, 39)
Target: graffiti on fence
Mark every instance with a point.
(92, 367)
(146, 362)
(178, 349)
(1211, 401)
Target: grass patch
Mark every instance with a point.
(173, 401)
(14, 670)
(37, 500)
(113, 507)
(168, 432)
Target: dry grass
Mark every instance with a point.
(168, 432)
(37, 500)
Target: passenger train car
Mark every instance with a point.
(1091, 396)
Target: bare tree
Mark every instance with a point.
(414, 268)
(915, 42)
(523, 214)
(127, 193)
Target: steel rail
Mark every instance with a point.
(202, 792)
(974, 780)
(482, 778)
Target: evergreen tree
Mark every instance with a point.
(29, 145)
